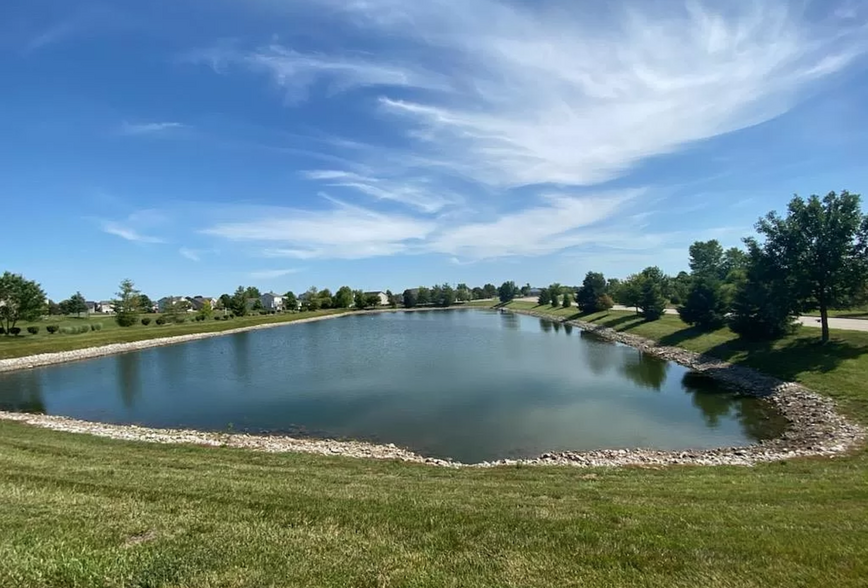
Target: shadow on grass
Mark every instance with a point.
(787, 361)
(678, 337)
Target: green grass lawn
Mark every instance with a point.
(84, 511)
(43, 342)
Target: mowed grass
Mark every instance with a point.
(84, 511)
(43, 342)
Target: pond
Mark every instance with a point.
(471, 385)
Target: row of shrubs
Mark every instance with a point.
(52, 329)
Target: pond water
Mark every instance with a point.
(467, 384)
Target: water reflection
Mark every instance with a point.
(598, 353)
(568, 328)
(129, 378)
(545, 325)
(241, 349)
(557, 326)
(24, 394)
(645, 370)
(510, 320)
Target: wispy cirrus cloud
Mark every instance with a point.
(341, 232)
(127, 232)
(149, 128)
(295, 72)
(417, 192)
(191, 254)
(272, 273)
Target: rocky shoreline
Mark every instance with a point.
(816, 428)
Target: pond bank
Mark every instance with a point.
(815, 427)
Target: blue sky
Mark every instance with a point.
(201, 144)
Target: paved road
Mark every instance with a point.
(844, 324)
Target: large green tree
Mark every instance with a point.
(410, 298)
(126, 304)
(706, 304)
(423, 296)
(238, 303)
(589, 296)
(20, 300)
(290, 301)
(822, 243)
(652, 302)
(544, 297)
(707, 259)
(507, 291)
(489, 291)
(343, 297)
(145, 303)
(76, 304)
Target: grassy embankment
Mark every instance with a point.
(43, 342)
(84, 511)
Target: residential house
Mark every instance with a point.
(197, 302)
(271, 301)
(163, 304)
(383, 299)
(534, 292)
(105, 307)
(91, 306)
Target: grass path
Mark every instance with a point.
(84, 511)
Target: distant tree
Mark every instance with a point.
(360, 301)
(410, 299)
(343, 297)
(54, 308)
(238, 303)
(146, 304)
(257, 305)
(76, 304)
(22, 300)
(525, 290)
(463, 293)
(478, 293)
(225, 302)
(290, 301)
(445, 295)
(489, 291)
(126, 304)
(206, 311)
(823, 245)
(605, 302)
(593, 288)
(706, 259)
(545, 297)
(176, 310)
(734, 260)
(252, 292)
(326, 300)
(567, 303)
(630, 291)
(372, 300)
(423, 296)
(652, 302)
(705, 305)
(507, 291)
(679, 287)
(393, 299)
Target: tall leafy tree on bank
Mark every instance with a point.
(238, 302)
(344, 297)
(410, 298)
(652, 302)
(822, 244)
(545, 297)
(489, 291)
(393, 299)
(20, 300)
(507, 291)
(76, 304)
(126, 304)
(590, 294)
(290, 301)
(360, 300)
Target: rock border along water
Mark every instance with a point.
(816, 428)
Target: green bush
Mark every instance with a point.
(76, 330)
(2, 331)
(96, 327)
(126, 319)
(52, 329)
(216, 318)
(15, 331)
(32, 330)
(146, 321)
(161, 321)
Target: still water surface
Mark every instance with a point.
(467, 384)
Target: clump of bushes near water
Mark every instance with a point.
(76, 330)
(33, 330)
(52, 329)
(146, 321)
(161, 321)
(96, 326)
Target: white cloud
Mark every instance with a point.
(295, 72)
(129, 233)
(573, 97)
(151, 128)
(191, 254)
(272, 274)
(417, 192)
(344, 231)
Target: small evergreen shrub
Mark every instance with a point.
(125, 319)
(2, 331)
(96, 327)
(15, 331)
(32, 330)
(52, 329)
(216, 318)
(146, 321)
(161, 321)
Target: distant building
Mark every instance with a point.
(105, 307)
(271, 301)
(198, 302)
(167, 302)
(91, 306)
(535, 292)
(383, 299)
